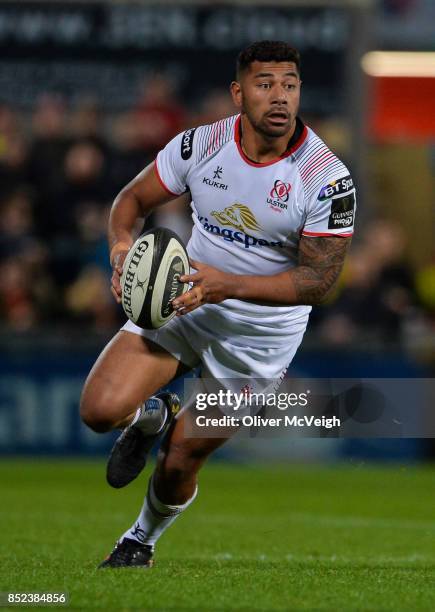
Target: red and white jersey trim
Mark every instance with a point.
(237, 138)
(306, 233)
(162, 182)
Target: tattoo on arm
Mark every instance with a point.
(320, 263)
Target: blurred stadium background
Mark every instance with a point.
(90, 91)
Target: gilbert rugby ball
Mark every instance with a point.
(149, 279)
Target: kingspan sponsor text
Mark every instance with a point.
(238, 236)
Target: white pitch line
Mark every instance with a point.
(376, 559)
(299, 558)
(324, 519)
(360, 521)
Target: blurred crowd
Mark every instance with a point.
(381, 297)
(60, 169)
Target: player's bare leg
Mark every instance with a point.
(128, 371)
(118, 393)
(179, 461)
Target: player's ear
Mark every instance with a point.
(236, 93)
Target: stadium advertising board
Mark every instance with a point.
(104, 49)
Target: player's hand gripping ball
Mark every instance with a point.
(150, 278)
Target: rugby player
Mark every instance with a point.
(273, 213)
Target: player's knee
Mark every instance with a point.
(94, 419)
(98, 412)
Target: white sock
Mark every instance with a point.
(150, 416)
(154, 518)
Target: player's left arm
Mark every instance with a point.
(320, 262)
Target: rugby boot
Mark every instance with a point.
(130, 451)
(129, 553)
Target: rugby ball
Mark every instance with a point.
(149, 279)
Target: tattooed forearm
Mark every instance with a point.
(320, 263)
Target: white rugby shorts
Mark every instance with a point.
(220, 352)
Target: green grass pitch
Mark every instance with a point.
(291, 538)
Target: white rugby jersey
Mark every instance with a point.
(248, 217)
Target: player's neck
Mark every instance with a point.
(258, 148)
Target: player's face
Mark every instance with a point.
(268, 94)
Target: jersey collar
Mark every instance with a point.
(294, 143)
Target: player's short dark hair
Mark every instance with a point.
(267, 51)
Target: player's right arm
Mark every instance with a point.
(135, 201)
(144, 193)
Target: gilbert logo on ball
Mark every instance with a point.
(150, 278)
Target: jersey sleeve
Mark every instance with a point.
(331, 211)
(173, 163)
